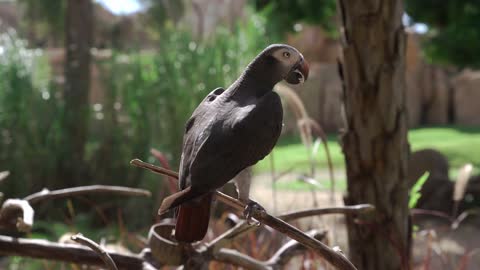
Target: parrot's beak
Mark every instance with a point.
(299, 73)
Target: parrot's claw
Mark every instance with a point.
(250, 208)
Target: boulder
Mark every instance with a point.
(425, 160)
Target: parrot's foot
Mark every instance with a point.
(250, 209)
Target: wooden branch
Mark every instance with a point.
(291, 249)
(102, 253)
(9, 215)
(46, 194)
(72, 253)
(235, 257)
(279, 259)
(354, 209)
(159, 170)
(335, 258)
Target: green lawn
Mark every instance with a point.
(460, 145)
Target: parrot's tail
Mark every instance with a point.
(192, 219)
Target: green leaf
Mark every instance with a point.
(415, 191)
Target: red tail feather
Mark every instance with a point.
(192, 219)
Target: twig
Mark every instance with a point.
(73, 253)
(46, 194)
(354, 209)
(137, 162)
(79, 238)
(335, 258)
(9, 215)
(292, 248)
(234, 257)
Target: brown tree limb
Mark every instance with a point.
(277, 261)
(291, 249)
(17, 213)
(235, 257)
(335, 258)
(43, 249)
(46, 194)
(353, 209)
(102, 253)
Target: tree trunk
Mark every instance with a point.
(375, 141)
(78, 41)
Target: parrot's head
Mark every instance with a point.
(290, 63)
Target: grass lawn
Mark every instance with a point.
(459, 144)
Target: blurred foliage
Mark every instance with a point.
(147, 98)
(282, 15)
(29, 125)
(44, 18)
(161, 12)
(454, 30)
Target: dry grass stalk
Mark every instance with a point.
(461, 186)
(307, 126)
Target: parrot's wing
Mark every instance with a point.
(244, 138)
(194, 136)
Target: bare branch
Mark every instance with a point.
(354, 209)
(46, 194)
(79, 238)
(337, 259)
(43, 249)
(10, 212)
(291, 249)
(159, 170)
(234, 257)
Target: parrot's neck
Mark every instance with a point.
(258, 78)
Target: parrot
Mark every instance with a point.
(230, 130)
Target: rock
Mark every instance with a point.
(424, 160)
(437, 195)
(466, 97)
(437, 191)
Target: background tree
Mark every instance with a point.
(78, 42)
(375, 142)
(454, 26)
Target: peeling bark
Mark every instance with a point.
(375, 141)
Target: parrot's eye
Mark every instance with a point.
(286, 54)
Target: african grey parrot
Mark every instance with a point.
(229, 131)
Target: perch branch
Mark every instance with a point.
(335, 258)
(46, 194)
(79, 238)
(73, 253)
(9, 215)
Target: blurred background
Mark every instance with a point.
(86, 86)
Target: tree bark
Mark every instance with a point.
(375, 141)
(78, 41)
